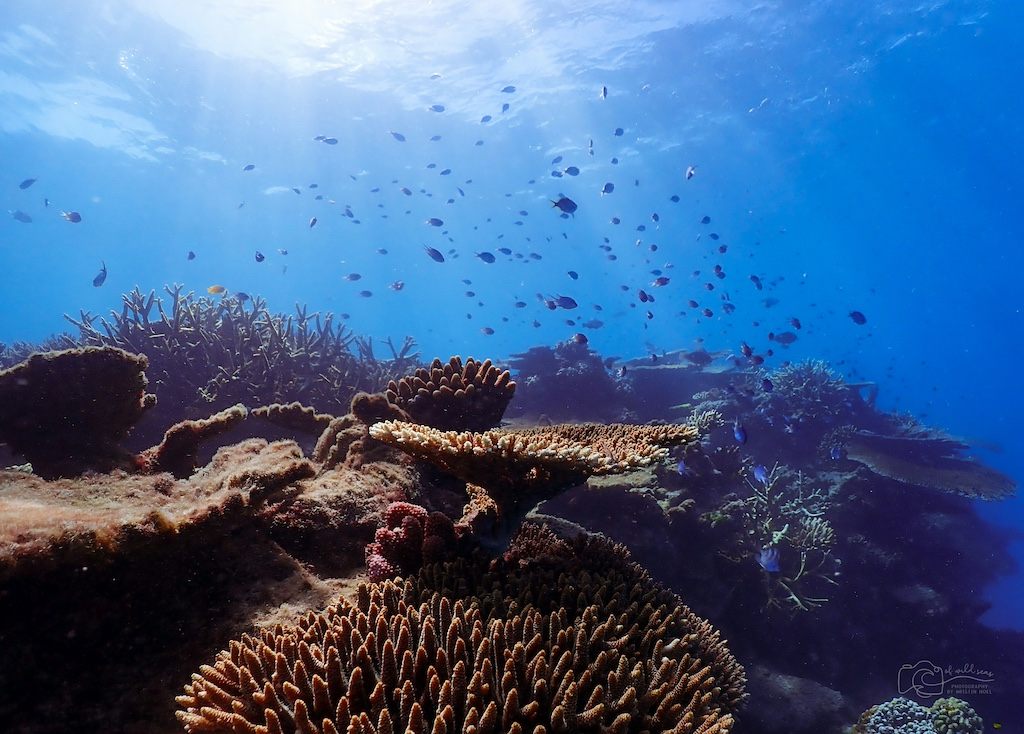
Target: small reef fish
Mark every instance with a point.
(572, 171)
(510, 89)
(312, 222)
(248, 166)
(681, 466)
(607, 188)
(26, 183)
(352, 277)
(21, 216)
(437, 108)
(434, 254)
(191, 255)
(260, 257)
(739, 432)
(73, 217)
(768, 559)
(566, 205)
(835, 453)
(216, 290)
(435, 222)
(487, 257)
(397, 285)
(397, 136)
(618, 132)
(101, 276)
(767, 385)
(604, 92)
(858, 318)
(761, 474)
(487, 331)
(690, 172)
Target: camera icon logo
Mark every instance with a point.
(924, 678)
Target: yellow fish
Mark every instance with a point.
(216, 290)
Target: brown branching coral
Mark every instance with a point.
(67, 411)
(928, 462)
(178, 451)
(620, 655)
(521, 467)
(455, 396)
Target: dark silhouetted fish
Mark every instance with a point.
(437, 108)
(604, 92)
(21, 216)
(73, 217)
(567, 205)
(858, 318)
(572, 171)
(191, 255)
(26, 183)
(397, 136)
(101, 277)
(618, 132)
(690, 172)
(352, 277)
(248, 166)
(435, 222)
(487, 331)
(509, 89)
(259, 256)
(607, 189)
(312, 222)
(487, 257)
(434, 254)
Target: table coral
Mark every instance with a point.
(519, 468)
(66, 412)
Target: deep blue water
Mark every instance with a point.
(857, 155)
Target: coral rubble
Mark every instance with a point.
(68, 411)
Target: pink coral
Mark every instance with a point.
(411, 536)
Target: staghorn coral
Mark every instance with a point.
(785, 519)
(930, 462)
(206, 354)
(411, 536)
(619, 655)
(68, 411)
(454, 396)
(518, 468)
(177, 453)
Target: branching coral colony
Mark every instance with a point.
(785, 529)
(211, 353)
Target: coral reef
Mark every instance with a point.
(553, 379)
(178, 451)
(45, 524)
(519, 468)
(68, 411)
(903, 716)
(294, 416)
(931, 462)
(208, 354)
(422, 658)
(454, 396)
(411, 536)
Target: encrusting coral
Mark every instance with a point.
(519, 468)
(66, 412)
(607, 651)
(470, 396)
(178, 451)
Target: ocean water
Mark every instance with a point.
(854, 156)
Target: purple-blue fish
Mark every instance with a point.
(768, 558)
(435, 255)
(761, 474)
(739, 432)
